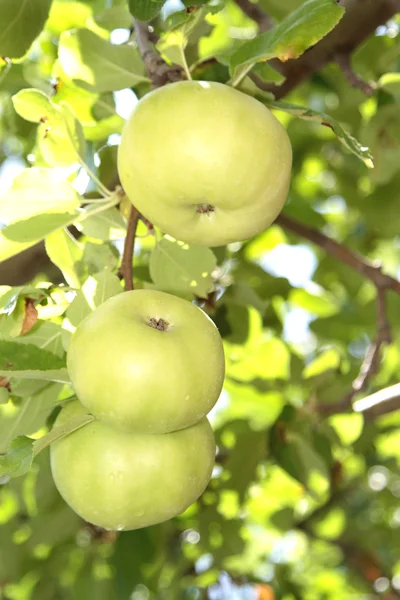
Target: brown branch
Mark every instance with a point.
(125, 271)
(157, 69)
(370, 363)
(344, 63)
(380, 403)
(266, 86)
(382, 283)
(160, 74)
(255, 12)
(359, 22)
(352, 259)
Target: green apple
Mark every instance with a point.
(205, 163)
(147, 361)
(121, 481)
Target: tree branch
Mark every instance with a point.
(360, 20)
(157, 69)
(380, 403)
(126, 270)
(382, 283)
(255, 12)
(352, 259)
(370, 363)
(160, 74)
(344, 63)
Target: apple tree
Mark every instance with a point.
(303, 500)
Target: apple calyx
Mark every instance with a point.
(159, 324)
(205, 208)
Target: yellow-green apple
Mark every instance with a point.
(205, 163)
(147, 361)
(121, 481)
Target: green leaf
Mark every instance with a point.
(74, 129)
(97, 257)
(21, 22)
(294, 451)
(8, 249)
(362, 152)
(179, 268)
(45, 335)
(37, 191)
(18, 459)
(61, 431)
(108, 225)
(116, 17)
(108, 285)
(301, 29)
(33, 105)
(29, 414)
(56, 375)
(9, 299)
(79, 309)
(347, 427)
(268, 359)
(260, 409)
(145, 10)
(180, 25)
(16, 357)
(382, 133)
(65, 252)
(60, 134)
(328, 360)
(38, 227)
(249, 449)
(390, 82)
(323, 305)
(98, 65)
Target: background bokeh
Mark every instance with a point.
(303, 504)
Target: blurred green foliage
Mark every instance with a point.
(299, 506)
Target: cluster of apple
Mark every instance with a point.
(148, 366)
(207, 165)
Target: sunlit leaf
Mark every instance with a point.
(37, 191)
(301, 29)
(61, 431)
(16, 357)
(21, 22)
(327, 360)
(145, 10)
(38, 227)
(98, 65)
(18, 459)
(351, 143)
(65, 252)
(182, 269)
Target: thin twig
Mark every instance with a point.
(349, 257)
(380, 403)
(344, 62)
(266, 86)
(369, 365)
(157, 69)
(126, 269)
(160, 74)
(358, 23)
(382, 283)
(255, 12)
